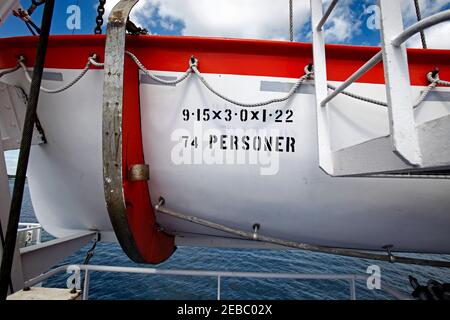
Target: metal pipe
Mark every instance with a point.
(196, 273)
(353, 289)
(299, 245)
(218, 274)
(27, 135)
(44, 276)
(355, 76)
(218, 287)
(228, 274)
(421, 25)
(87, 276)
(326, 15)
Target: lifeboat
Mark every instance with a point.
(212, 148)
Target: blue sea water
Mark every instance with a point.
(137, 286)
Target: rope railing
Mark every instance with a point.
(308, 74)
(432, 77)
(91, 61)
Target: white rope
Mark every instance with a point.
(193, 68)
(437, 79)
(291, 92)
(355, 96)
(91, 61)
(433, 83)
(94, 62)
(431, 86)
(155, 78)
(193, 64)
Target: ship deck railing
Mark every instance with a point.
(218, 275)
(29, 233)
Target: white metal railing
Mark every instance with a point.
(29, 233)
(219, 275)
(421, 25)
(355, 76)
(326, 15)
(399, 40)
(403, 133)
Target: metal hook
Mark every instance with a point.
(193, 62)
(388, 248)
(160, 203)
(256, 228)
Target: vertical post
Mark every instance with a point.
(218, 287)
(320, 80)
(38, 235)
(352, 289)
(87, 276)
(27, 135)
(16, 279)
(398, 90)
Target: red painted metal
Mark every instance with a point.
(153, 245)
(224, 56)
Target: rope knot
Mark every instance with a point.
(433, 76)
(309, 70)
(193, 62)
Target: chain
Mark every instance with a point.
(291, 21)
(99, 19)
(90, 252)
(419, 17)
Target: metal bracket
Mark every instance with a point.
(320, 81)
(39, 258)
(256, 228)
(139, 172)
(388, 248)
(404, 135)
(112, 126)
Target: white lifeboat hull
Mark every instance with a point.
(234, 167)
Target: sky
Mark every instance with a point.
(352, 22)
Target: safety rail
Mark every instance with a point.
(421, 25)
(404, 36)
(405, 148)
(29, 233)
(326, 15)
(355, 76)
(219, 275)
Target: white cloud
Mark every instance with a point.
(268, 19)
(342, 24)
(260, 19)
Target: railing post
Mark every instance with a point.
(218, 287)
(38, 235)
(87, 276)
(352, 289)
(398, 89)
(320, 81)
